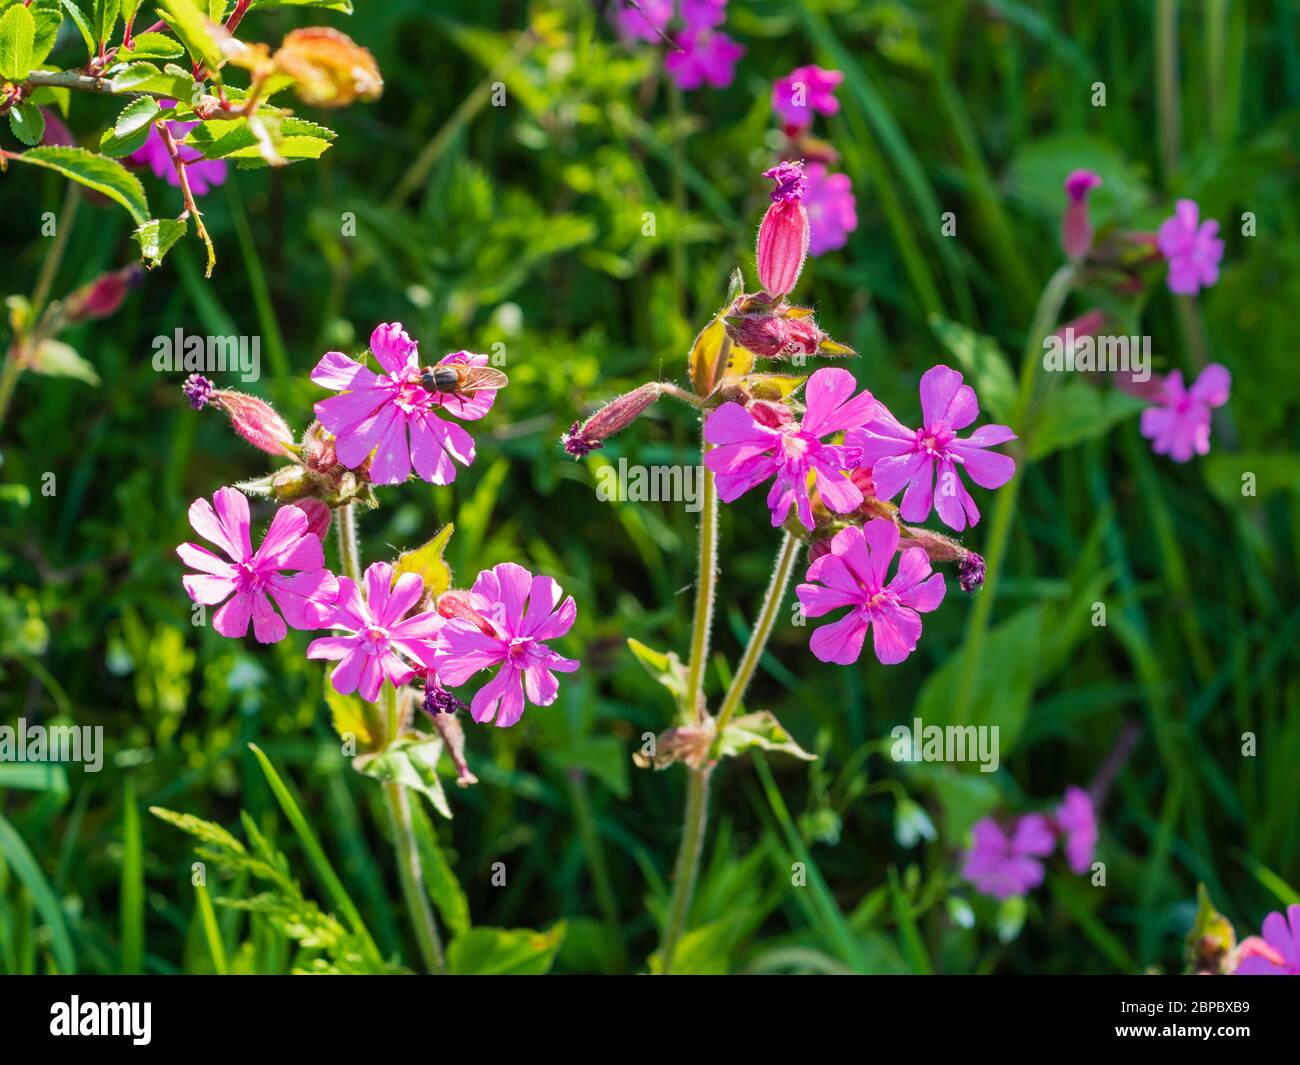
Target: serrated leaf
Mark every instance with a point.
(428, 563)
(505, 951)
(145, 77)
(331, 5)
(96, 172)
(48, 15)
(129, 9)
(760, 729)
(151, 46)
(17, 37)
(27, 123)
(157, 237)
(119, 147)
(190, 22)
(411, 763)
(83, 25)
(106, 13)
(137, 115)
(53, 358)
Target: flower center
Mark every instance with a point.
(796, 445)
(376, 638)
(247, 579)
(520, 649)
(408, 394)
(934, 439)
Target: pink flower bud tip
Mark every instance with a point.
(784, 234)
(970, 573)
(1080, 183)
(1076, 227)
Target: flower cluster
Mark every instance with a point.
(387, 626)
(828, 197)
(699, 53)
(1006, 861)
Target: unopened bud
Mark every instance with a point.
(318, 517)
(614, 417)
(103, 296)
(773, 415)
(455, 603)
(1076, 226)
(774, 337)
(784, 233)
(318, 449)
(256, 421)
(292, 483)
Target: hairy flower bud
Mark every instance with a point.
(318, 449)
(614, 417)
(773, 337)
(103, 296)
(783, 235)
(256, 421)
(292, 483)
(455, 603)
(773, 415)
(1076, 226)
(318, 517)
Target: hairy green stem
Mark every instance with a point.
(706, 583)
(763, 626)
(1045, 317)
(688, 864)
(399, 808)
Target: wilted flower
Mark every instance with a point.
(378, 633)
(970, 572)
(783, 235)
(1076, 227)
(854, 574)
(304, 599)
(749, 452)
(1179, 425)
(204, 174)
(520, 612)
(900, 457)
(377, 411)
(1000, 865)
(1192, 248)
(1077, 819)
(704, 56)
(832, 212)
(803, 91)
(1279, 954)
(198, 390)
(328, 68)
(614, 417)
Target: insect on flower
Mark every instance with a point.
(461, 379)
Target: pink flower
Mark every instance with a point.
(1000, 865)
(832, 213)
(1179, 424)
(703, 14)
(853, 575)
(377, 411)
(750, 451)
(1193, 250)
(705, 56)
(377, 634)
(1280, 953)
(783, 234)
(304, 599)
(803, 91)
(1077, 819)
(901, 457)
(204, 174)
(644, 22)
(519, 612)
(1076, 227)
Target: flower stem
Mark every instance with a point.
(763, 626)
(706, 583)
(688, 864)
(399, 808)
(1045, 317)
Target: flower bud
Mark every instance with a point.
(614, 417)
(256, 421)
(103, 296)
(784, 233)
(318, 449)
(773, 415)
(1076, 227)
(772, 337)
(318, 517)
(455, 603)
(292, 483)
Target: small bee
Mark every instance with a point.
(457, 379)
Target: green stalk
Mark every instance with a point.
(1167, 83)
(399, 808)
(763, 626)
(1045, 317)
(688, 864)
(706, 583)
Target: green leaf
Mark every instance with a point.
(151, 46)
(19, 858)
(49, 17)
(119, 147)
(443, 887)
(136, 116)
(603, 757)
(348, 714)
(53, 358)
(666, 668)
(83, 26)
(157, 237)
(413, 763)
(331, 5)
(129, 9)
(1270, 472)
(985, 367)
(504, 951)
(760, 729)
(106, 12)
(190, 22)
(106, 176)
(1076, 412)
(27, 123)
(428, 563)
(702, 951)
(17, 37)
(172, 81)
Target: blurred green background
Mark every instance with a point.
(521, 225)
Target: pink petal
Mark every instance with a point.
(333, 647)
(841, 641)
(305, 599)
(392, 462)
(200, 558)
(379, 579)
(880, 537)
(268, 626)
(893, 473)
(988, 469)
(939, 386)
(895, 632)
(733, 424)
(335, 370)
(405, 594)
(207, 589)
(917, 498)
(1214, 385)
(232, 619)
(392, 348)
(206, 523)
